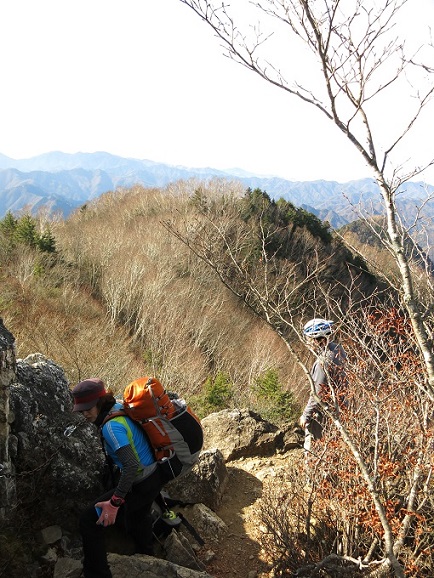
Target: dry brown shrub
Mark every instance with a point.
(185, 324)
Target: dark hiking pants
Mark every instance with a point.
(313, 431)
(133, 517)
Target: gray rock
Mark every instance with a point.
(205, 483)
(209, 556)
(67, 568)
(65, 470)
(50, 557)
(206, 523)
(179, 551)
(141, 566)
(240, 433)
(51, 534)
(293, 438)
(7, 377)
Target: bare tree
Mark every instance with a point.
(359, 58)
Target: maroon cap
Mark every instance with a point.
(87, 393)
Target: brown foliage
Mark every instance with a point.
(126, 298)
(328, 519)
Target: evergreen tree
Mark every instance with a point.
(26, 231)
(8, 227)
(46, 242)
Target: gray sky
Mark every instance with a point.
(147, 79)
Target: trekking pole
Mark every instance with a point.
(192, 530)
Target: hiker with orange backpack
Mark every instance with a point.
(129, 502)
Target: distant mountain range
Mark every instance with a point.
(62, 182)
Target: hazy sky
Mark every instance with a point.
(147, 79)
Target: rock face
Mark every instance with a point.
(49, 463)
(7, 376)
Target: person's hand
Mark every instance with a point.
(303, 421)
(108, 514)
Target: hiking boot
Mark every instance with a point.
(170, 518)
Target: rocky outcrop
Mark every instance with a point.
(241, 433)
(55, 452)
(7, 376)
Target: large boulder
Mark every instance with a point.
(57, 455)
(207, 525)
(205, 483)
(241, 433)
(148, 567)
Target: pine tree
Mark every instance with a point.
(26, 231)
(47, 242)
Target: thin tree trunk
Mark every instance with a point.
(408, 293)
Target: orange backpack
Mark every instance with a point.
(173, 430)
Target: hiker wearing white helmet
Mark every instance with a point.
(328, 365)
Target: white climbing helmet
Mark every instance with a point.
(318, 328)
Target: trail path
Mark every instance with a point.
(239, 553)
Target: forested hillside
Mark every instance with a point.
(115, 293)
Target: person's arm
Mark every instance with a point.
(319, 379)
(129, 467)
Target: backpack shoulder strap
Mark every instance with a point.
(112, 414)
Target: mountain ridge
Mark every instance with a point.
(62, 182)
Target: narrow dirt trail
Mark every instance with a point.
(239, 553)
